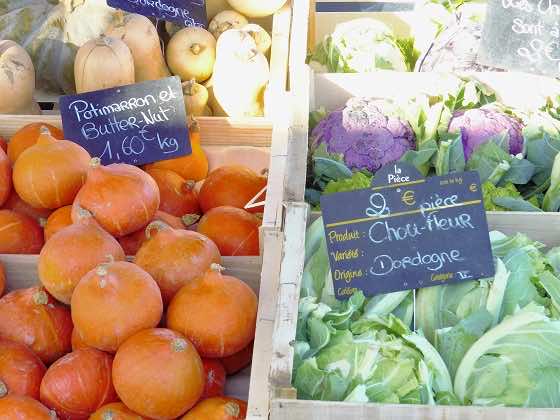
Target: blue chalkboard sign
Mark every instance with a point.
(407, 232)
(184, 13)
(134, 124)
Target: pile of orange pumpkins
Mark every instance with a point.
(104, 338)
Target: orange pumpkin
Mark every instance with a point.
(234, 231)
(175, 256)
(19, 234)
(5, 177)
(193, 167)
(218, 408)
(216, 312)
(177, 195)
(77, 342)
(72, 252)
(113, 302)
(238, 361)
(215, 376)
(21, 371)
(27, 136)
(2, 279)
(132, 243)
(16, 204)
(33, 318)
(234, 186)
(115, 411)
(49, 174)
(78, 384)
(158, 374)
(58, 220)
(121, 197)
(16, 407)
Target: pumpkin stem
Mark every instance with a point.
(42, 222)
(189, 87)
(83, 213)
(95, 162)
(40, 297)
(157, 225)
(179, 345)
(190, 184)
(108, 415)
(259, 216)
(264, 172)
(232, 409)
(101, 271)
(190, 219)
(3, 389)
(196, 48)
(45, 131)
(217, 267)
(193, 124)
(104, 41)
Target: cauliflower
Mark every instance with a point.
(477, 126)
(359, 46)
(365, 135)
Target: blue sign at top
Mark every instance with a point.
(184, 13)
(407, 232)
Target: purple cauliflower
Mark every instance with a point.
(365, 134)
(455, 49)
(477, 126)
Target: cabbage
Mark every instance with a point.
(490, 342)
(359, 46)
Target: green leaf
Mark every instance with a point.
(520, 172)
(515, 204)
(421, 158)
(409, 52)
(490, 161)
(551, 200)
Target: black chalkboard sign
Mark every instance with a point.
(407, 232)
(184, 13)
(522, 35)
(135, 124)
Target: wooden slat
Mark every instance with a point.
(259, 394)
(279, 54)
(21, 270)
(288, 297)
(214, 131)
(320, 410)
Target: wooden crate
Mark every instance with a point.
(284, 402)
(21, 272)
(278, 25)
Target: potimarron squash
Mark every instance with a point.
(103, 63)
(51, 32)
(141, 37)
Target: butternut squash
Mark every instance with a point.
(191, 53)
(241, 74)
(17, 79)
(141, 37)
(196, 98)
(225, 20)
(103, 63)
(256, 8)
(213, 7)
(216, 108)
(261, 37)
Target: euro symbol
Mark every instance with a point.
(473, 188)
(408, 198)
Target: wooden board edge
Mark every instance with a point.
(21, 270)
(286, 409)
(279, 57)
(259, 390)
(214, 131)
(285, 320)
